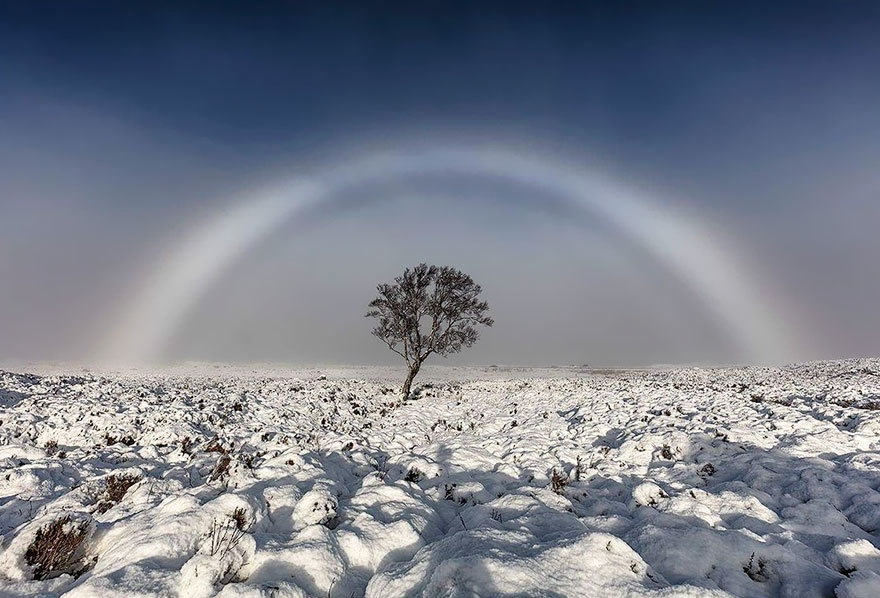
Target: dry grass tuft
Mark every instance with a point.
(215, 446)
(56, 548)
(558, 481)
(221, 469)
(117, 486)
(225, 535)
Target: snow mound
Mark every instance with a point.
(490, 562)
(861, 585)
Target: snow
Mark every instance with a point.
(265, 481)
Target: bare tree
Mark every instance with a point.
(429, 309)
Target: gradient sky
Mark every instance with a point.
(124, 125)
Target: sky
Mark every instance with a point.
(125, 127)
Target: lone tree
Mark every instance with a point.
(429, 309)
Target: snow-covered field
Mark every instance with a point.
(203, 481)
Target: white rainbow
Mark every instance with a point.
(691, 251)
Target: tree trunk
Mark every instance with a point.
(407, 385)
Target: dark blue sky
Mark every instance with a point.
(635, 78)
(119, 120)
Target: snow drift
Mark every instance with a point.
(750, 482)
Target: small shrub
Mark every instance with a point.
(56, 548)
(51, 447)
(449, 491)
(413, 475)
(239, 517)
(117, 486)
(186, 445)
(580, 470)
(214, 446)
(558, 481)
(250, 459)
(225, 535)
(110, 440)
(221, 469)
(757, 570)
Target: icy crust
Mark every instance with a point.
(750, 482)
